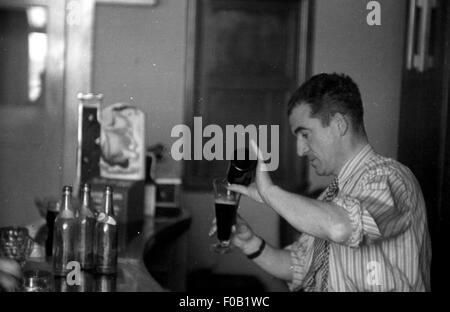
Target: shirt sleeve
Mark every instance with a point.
(380, 210)
(301, 256)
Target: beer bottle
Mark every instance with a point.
(64, 235)
(86, 226)
(242, 168)
(106, 239)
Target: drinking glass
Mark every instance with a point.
(226, 204)
(15, 243)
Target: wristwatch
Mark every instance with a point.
(255, 254)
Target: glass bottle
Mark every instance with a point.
(64, 235)
(106, 239)
(86, 227)
(241, 169)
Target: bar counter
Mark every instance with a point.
(132, 273)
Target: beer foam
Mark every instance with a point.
(225, 201)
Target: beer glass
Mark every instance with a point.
(226, 204)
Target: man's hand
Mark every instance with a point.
(243, 236)
(249, 191)
(10, 274)
(258, 189)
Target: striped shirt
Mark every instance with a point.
(389, 248)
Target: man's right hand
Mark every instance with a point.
(10, 274)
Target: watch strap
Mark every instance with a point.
(259, 251)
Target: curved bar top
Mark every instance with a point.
(132, 274)
(154, 230)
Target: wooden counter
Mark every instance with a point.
(132, 273)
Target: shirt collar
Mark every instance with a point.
(353, 164)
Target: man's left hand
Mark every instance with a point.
(257, 190)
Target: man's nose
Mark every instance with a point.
(302, 147)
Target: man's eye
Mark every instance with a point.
(304, 135)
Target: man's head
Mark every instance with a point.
(326, 115)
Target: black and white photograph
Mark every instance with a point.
(221, 152)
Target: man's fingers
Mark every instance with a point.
(256, 150)
(212, 230)
(243, 231)
(10, 267)
(261, 164)
(238, 189)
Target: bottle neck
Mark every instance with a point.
(86, 199)
(109, 209)
(66, 203)
(66, 207)
(86, 204)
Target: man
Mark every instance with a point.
(10, 274)
(368, 230)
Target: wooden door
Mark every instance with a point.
(31, 126)
(249, 57)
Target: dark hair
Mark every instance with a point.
(328, 94)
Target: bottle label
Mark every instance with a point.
(104, 218)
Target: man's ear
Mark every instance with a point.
(341, 123)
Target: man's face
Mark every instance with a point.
(315, 141)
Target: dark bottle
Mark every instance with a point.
(64, 235)
(150, 186)
(86, 227)
(106, 239)
(52, 213)
(241, 169)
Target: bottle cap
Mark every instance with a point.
(67, 189)
(108, 189)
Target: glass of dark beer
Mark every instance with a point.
(226, 204)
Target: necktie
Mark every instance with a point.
(317, 279)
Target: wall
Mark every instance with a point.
(371, 55)
(139, 59)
